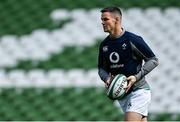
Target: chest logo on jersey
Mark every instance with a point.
(105, 48)
(124, 46)
(114, 57)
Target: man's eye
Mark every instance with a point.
(104, 19)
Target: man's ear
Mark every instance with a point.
(118, 19)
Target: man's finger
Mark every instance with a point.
(128, 78)
(129, 84)
(127, 89)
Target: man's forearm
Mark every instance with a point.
(103, 74)
(146, 68)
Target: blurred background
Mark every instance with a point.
(48, 58)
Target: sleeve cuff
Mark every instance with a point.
(138, 76)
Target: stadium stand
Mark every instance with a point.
(48, 55)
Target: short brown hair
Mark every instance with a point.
(115, 10)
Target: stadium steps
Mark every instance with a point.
(52, 104)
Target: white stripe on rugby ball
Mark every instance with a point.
(116, 89)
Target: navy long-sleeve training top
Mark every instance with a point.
(127, 54)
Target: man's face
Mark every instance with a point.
(108, 22)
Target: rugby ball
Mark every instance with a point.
(116, 89)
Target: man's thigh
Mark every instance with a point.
(133, 116)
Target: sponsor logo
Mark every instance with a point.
(117, 66)
(114, 57)
(121, 86)
(105, 48)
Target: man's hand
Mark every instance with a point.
(108, 82)
(131, 80)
